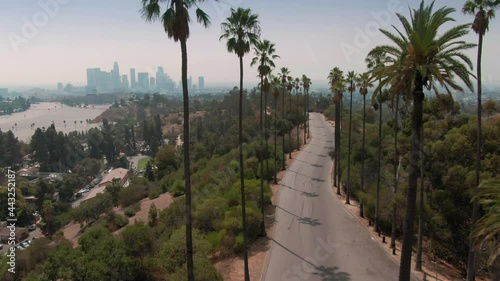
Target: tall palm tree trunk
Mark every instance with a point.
(339, 170)
(242, 175)
(275, 137)
(262, 225)
(411, 196)
(377, 205)
(187, 165)
(298, 122)
(418, 264)
(265, 132)
(347, 201)
(335, 182)
(337, 144)
(361, 213)
(305, 115)
(471, 262)
(395, 190)
(290, 131)
(283, 136)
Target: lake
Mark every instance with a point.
(44, 113)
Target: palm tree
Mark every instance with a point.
(64, 121)
(298, 84)
(483, 12)
(242, 30)
(397, 165)
(350, 78)
(363, 83)
(175, 21)
(264, 56)
(290, 88)
(284, 73)
(424, 59)
(487, 230)
(335, 77)
(75, 123)
(378, 100)
(276, 93)
(306, 81)
(375, 61)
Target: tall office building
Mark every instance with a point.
(152, 83)
(201, 82)
(105, 81)
(124, 82)
(59, 87)
(115, 76)
(160, 78)
(143, 80)
(190, 82)
(132, 78)
(93, 79)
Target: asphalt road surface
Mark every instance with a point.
(315, 237)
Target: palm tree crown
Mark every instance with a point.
(264, 56)
(363, 82)
(176, 18)
(483, 11)
(241, 30)
(420, 53)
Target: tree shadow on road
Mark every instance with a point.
(303, 220)
(309, 194)
(309, 221)
(332, 274)
(326, 273)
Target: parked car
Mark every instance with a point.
(31, 227)
(25, 245)
(19, 247)
(1, 246)
(45, 233)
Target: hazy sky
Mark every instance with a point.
(311, 37)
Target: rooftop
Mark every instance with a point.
(119, 173)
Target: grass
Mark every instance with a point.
(142, 163)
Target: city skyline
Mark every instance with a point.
(105, 36)
(101, 81)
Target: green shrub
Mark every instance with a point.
(178, 188)
(130, 212)
(249, 174)
(155, 192)
(216, 238)
(238, 244)
(132, 194)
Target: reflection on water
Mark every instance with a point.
(44, 113)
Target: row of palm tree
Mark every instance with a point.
(405, 67)
(419, 58)
(241, 30)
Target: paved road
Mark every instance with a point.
(315, 238)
